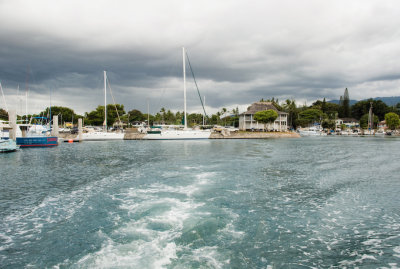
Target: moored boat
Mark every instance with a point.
(312, 131)
(8, 145)
(38, 135)
(183, 133)
(102, 135)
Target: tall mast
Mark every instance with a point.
(148, 113)
(204, 115)
(4, 99)
(105, 102)
(370, 118)
(26, 94)
(50, 111)
(184, 87)
(26, 106)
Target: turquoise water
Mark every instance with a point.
(283, 203)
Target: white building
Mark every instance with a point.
(247, 122)
(349, 122)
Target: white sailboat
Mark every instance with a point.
(174, 133)
(103, 135)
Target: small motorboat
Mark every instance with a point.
(8, 145)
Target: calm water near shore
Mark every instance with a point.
(274, 203)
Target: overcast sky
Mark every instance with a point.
(241, 51)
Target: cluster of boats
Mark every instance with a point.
(39, 135)
(318, 131)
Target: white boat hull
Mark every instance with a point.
(102, 136)
(178, 135)
(312, 133)
(8, 146)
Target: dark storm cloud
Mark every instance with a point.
(240, 52)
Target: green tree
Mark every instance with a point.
(392, 120)
(346, 104)
(290, 107)
(170, 117)
(361, 108)
(179, 118)
(323, 106)
(330, 109)
(136, 116)
(312, 115)
(96, 117)
(3, 114)
(65, 114)
(195, 119)
(266, 116)
(328, 124)
(149, 117)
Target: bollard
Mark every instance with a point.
(54, 129)
(12, 118)
(80, 130)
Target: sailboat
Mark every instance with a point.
(179, 134)
(36, 136)
(103, 135)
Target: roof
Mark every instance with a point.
(261, 106)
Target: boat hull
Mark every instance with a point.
(311, 133)
(37, 141)
(178, 135)
(8, 146)
(102, 136)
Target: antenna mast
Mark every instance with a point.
(105, 102)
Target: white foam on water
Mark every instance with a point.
(372, 242)
(52, 209)
(368, 257)
(209, 256)
(159, 214)
(396, 249)
(137, 254)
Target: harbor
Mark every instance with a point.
(215, 203)
(199, 134)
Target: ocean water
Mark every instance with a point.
(277, 203)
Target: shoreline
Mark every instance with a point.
(214, 135)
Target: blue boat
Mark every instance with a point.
(37, 136)
(37, 141)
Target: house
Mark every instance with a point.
(247, 122)
(349, 122)
(382, 125)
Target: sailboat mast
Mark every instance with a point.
(4, 99)
(184, 87)
(148, 113)
(204, 115)
(105, 102)
(370, 119)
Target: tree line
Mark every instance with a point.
(326, 113)
(320, 111)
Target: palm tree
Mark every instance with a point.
(223, 112)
